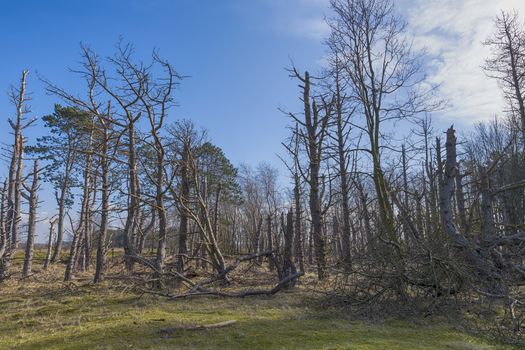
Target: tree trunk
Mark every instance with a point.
(460, 202)
(315, 164)
(80, 232)
(288, 265)
(271, 262)
(342, 163)
(184, 195)
(50, 243)
(163, 220)
(130, 228)
(33, 203)
(482, 265)
(298, 243)
(3, 228)
(14, 180)
(104, 218)
(60, 227)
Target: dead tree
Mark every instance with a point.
(385, 81)
(155, 102)
(145, 231)
(198, 210)
(357, 32)
(311, 133)
(50, 241)
(507, 63)
(298, 234)
(288, 267)
(293, 149)
(185, 194)
(487, 210)
(341, 116)
(186, 140)
(259, 241)
(104, 159)
(460, 202)
(269, 237)
(14, 197)
(252, 210)
(31, 223)
(3, 223)
(130, 91)
(106, 144)
(484, 267)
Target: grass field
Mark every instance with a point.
(35, 314)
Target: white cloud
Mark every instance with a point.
(453, 32)
(302, 18)
(315, 28)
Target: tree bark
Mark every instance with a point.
(298, 237)
(104, 218)
(33, 203)
(51, 237)
(271, 263)
(184, 196)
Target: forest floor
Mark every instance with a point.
(41, 313)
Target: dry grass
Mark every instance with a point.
(42, 313)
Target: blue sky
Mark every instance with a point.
(234, 55)
(235, 52)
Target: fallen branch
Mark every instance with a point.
(228, 269)
(200, 291)
(240, 259)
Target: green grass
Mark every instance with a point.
(36, 315)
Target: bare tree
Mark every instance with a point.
(129, 95)
(186, 140)
(311, 133)
(197, 207)
(507, 63)
(104, 158)
(50, 239)
(384, 78)
(343, 111)
(14, 197)
(33, 204)
(155, 103)
(107, 141)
